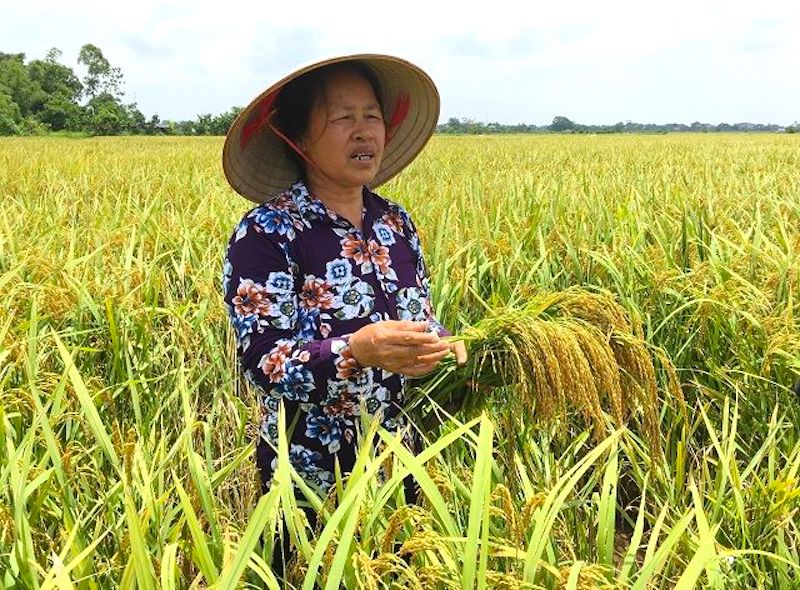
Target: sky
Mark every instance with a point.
(596, 62)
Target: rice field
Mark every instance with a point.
(629, 420)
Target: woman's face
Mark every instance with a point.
(346, 133)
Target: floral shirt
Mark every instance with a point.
(298, 279)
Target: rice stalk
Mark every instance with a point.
(566, 354)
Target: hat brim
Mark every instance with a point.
(260, 167)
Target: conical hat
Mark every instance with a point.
(257, 164)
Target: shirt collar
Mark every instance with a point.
(312, 209)
(375, 205)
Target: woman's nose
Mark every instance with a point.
(361, 132)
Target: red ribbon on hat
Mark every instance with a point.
(399, 115)
(265, 112)
(264, 119)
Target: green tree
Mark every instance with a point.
(221, 123)
(61, 90)
(137, 123)
(59, 113)
(107, 116)
(183, 127)
(54, 77)
(101, 77)
(203, 124)
(16, 83)
(561, 124)
(453, 125)
(10, 116)
(156, 126)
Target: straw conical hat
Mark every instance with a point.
(257, 164)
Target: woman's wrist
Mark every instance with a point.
(348, 353)
(356, 346)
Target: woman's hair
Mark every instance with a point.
(295, 100)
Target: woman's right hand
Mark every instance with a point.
(403, 347)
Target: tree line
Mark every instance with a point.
(563, 124)
(43, 95)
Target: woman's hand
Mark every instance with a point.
(403, 347)
(458, 348)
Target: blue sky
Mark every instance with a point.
(594, 62)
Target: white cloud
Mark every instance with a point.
(502, 60)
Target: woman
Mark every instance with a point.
(324, 281)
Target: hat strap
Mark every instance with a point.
(264, 119)
(290, 143)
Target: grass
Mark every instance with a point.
(126, 434)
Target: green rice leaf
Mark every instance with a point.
(201, 549)
(140, 555)
(169, 566)
(607, 513)
(652, 565)
(478, 526)
(636, 538)
(546, 515)
(87, 404)
(265, 511)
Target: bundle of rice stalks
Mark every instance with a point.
(566, 352)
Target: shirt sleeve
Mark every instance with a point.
(261, 295)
